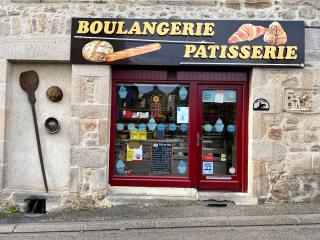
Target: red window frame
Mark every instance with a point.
(193, 78)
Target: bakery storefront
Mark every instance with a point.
(180, 94)
(158, 108)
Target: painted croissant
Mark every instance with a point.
(275, 35)
(247, 32)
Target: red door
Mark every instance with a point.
(220, 158)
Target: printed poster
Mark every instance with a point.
(138, 135)
(134, 154)
(182, 114)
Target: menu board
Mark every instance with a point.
(161, 157)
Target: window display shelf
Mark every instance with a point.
(214, 150)
(180, 157)
(181, 148)
(151, 140)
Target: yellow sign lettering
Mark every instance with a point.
(269, 52)
(96, 27)
(233, 52)
(83, 27)
(291, 52)
(120, 28)
(256, 52)
(149, 28)
(175, 29)
(107, 25)
(189, 49)
(187, 29)
(213, 50)
(135, 29)
(201, 52)
(244, 52)
(208, 30)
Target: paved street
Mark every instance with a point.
(169, 220)
(306, 232)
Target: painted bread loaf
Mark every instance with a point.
(131, 52)
(275, 35)
(96, 51)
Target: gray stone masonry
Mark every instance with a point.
(284, 163)
(40, 29)
(90, 106)
(4, 68)
(285, 148)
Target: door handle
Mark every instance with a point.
(198, 139)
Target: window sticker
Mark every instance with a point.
(208, 96)
(232, 170)
(207, 168)
(219, 97)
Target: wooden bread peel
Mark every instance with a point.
(29, 82)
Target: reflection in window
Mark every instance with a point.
(152, 125)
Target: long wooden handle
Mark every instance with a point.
(131, 52)
(39, 146)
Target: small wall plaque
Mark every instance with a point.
(261, 104)
(298, 100)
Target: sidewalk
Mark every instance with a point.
(156, 215)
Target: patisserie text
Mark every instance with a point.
(203, 51)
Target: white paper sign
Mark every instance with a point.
(182, 114)
(219, 97)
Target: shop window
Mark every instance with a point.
(152, 126)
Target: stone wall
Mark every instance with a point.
(285, 145)
(283, 155)
(4, 69)
(52, 17)
(90, 106)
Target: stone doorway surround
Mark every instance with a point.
(4, 70)
(89, 132)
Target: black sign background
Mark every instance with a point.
(161, 157)
(172, 53)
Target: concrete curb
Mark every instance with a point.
(238, 221)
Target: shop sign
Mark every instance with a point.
(261, 104)
(161, 157)
(187, 42)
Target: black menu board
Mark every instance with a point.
(161, 157)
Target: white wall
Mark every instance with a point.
(23, 170)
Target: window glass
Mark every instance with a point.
(219, 133)
(152, 126)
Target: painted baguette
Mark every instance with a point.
(131, 52)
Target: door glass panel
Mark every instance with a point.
(152, 129)
(218, 133)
